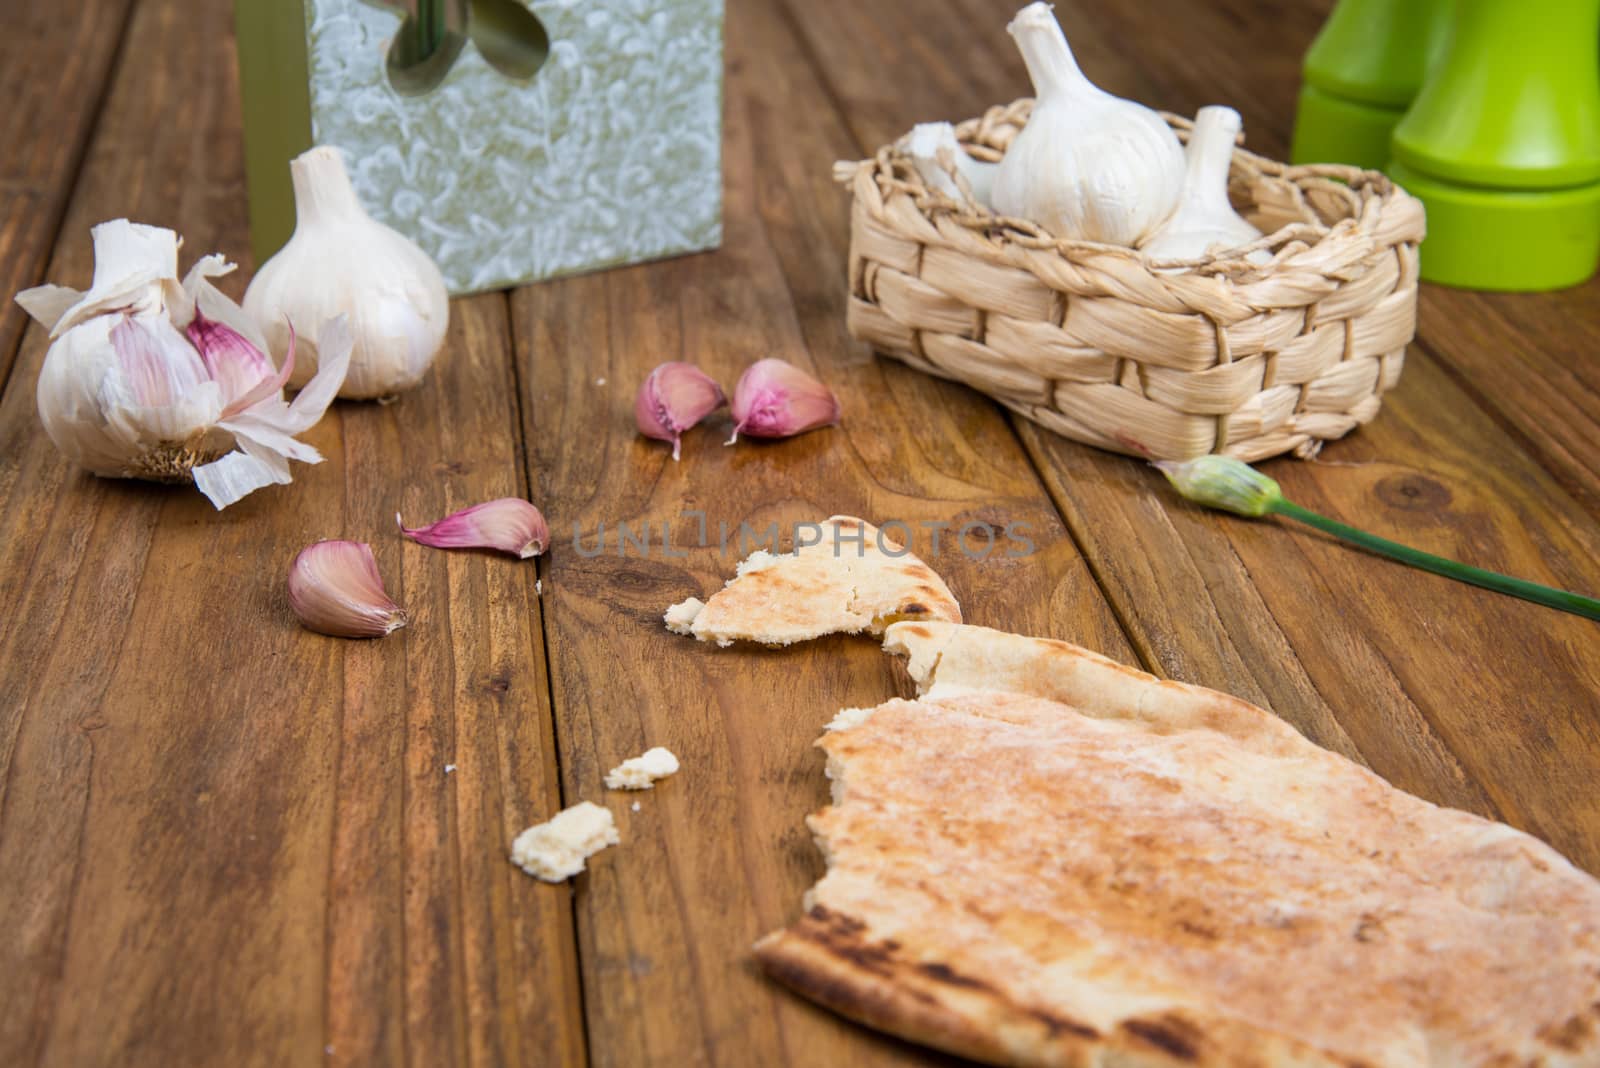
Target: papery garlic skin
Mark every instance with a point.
(149, 377)
(509, 524)
(1088, 166)
(1205, 222)
(775, 399)
(933, 148)
(335, 589)
(672, 398)
(341, 261)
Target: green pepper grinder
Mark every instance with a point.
(1360, 75)
(1502, 145)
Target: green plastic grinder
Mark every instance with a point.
(1502, 145)
(1361, 73)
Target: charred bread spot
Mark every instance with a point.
(1169, 1034)
(943, 973)
(1570, 1036)
(840, 936)
(836, 920)
(1061, 1025)
(914, 609)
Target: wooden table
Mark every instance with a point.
(225, 840)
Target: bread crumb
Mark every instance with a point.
(556, 849)
(641, 772)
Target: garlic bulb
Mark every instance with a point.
(341, 261)
(1205, 222)
(933, 147)
(151, 378)
(1088, 165)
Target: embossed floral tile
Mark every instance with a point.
(611, 154)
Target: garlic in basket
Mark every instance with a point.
(149, 378)
(1088, 165)
(341, 261)
(933, 148)
(1205, 222)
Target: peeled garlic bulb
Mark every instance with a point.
(341, 261)
(1205, 223)
(149, 377)
(1088, 165)
(933, 147)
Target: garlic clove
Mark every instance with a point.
(158, 366)
(674, 397)
(334, 588)
(775, 399)
(509, 524)
(244, 371)
(934, 150)
(1205, 223)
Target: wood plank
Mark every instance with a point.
(1411, 673)
(226, 838)
(1529, 359)
(55, 62)
(719, 854)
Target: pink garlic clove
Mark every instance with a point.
(674, 398)
(509, 524)
(159, 366)
(775, 399)
(335, 589)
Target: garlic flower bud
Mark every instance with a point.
(1088, 166)
(340, 261)
(151, 378)
(1205, 223)
(1223, 482)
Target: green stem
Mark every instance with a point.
(1477, 576)
(430, 26)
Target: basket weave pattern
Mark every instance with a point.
(1214, 355)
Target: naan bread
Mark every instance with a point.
(1052, 859)
(855, 579)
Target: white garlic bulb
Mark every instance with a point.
(933, 147)
(340, 261)
(1205, 222)
(151, 378)
(1088, 165)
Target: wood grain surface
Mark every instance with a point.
(227, 841)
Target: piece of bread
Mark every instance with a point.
(856, 578)
(1053, 859)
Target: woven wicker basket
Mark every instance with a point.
(1217, 356)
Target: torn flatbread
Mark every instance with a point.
(1053, 859)
(856, 578)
